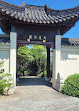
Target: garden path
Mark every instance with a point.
(35, 94)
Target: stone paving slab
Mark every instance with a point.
(37, 97)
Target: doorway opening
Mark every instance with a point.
(32, 65)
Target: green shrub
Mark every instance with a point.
(71, 86)
(26, 73)
(42, 74)
(4, 80)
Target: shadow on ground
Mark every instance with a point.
(27, 81)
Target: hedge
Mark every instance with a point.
(71, 86)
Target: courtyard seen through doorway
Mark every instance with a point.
(32, 66)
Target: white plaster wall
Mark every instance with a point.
(5, 55)
(69, 61)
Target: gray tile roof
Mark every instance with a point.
(70, 42)
(38, 14)
(4, 38)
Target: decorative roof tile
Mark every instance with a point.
(38, 14)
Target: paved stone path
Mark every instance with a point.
(35, 94)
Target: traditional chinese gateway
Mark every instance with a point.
(29, 24)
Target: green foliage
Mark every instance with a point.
(42, 74)
(1, 63)
(24, 58)
(26, 73)
(4, 82)
(39, 63)
(31, 61)
(71, 86)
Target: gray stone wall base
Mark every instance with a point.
(59, 85)
(11, 90)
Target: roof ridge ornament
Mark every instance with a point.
(46, 5)
(23, 3)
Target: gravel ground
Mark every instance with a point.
(35, 94)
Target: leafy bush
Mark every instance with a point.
(71, 86)
(26, 73)
(4, 82)
(40, 75)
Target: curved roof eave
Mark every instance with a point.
(38, 14)
(41, 15)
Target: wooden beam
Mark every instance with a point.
(48, 62)
(23, 42)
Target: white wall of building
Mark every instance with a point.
(69, 61)
(5, 56)
(8, 56)
(65, 62)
